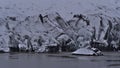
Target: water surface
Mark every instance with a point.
(62, 60)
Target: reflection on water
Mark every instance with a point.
(113, 60)
(62, 56)
(13, 56)
(114, 65)
(62, 60)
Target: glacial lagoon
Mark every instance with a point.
(60, 60)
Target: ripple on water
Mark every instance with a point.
(111, 65)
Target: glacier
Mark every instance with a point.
(64, 23)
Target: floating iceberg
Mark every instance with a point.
(4, 50)
(87, 52)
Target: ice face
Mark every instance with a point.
(21, 17)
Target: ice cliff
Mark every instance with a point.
(64, 22)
